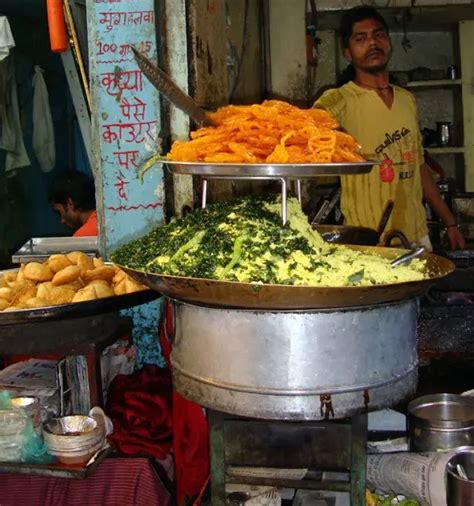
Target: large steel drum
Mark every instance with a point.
(295, 365)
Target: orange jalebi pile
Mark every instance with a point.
(272, 132)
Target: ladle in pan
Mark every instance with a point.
(407, 257)
(387, 212)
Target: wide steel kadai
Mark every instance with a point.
(295, 365)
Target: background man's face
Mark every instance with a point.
(370, 48)
(68, 214)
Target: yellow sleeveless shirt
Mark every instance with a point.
(393, 137)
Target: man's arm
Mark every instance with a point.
(433, 197)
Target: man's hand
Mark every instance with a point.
(455, 237)
(432, 196)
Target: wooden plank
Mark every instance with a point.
(434, 83)
(288, 50)
(207, 24)
(317, 445)
(244, 34)
(466, 42)
(446, 150)
(218, 463)
(208, 78)
(177, 66)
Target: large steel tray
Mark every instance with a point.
(77, 309)
(38, 249)
(231, 294)
(263, 170)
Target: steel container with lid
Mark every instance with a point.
(440, 422)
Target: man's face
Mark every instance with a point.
(68, 214)
(370, 48)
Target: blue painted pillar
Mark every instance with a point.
(125, 132)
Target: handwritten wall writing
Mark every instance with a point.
(129, 132)
(118, 53)
(122, 18)
(117, 81)
(121, 184)
(128, 123)
(127, 159)
(136, 109)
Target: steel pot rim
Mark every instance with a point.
(459, 451)
(440, 424)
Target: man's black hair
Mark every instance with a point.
(76, 186)
(354, 15)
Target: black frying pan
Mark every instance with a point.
(364, 236)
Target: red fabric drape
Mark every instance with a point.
(140, 407)
(190, 433)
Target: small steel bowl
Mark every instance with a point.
(77, 425)
(440, 422)
(24, 402)
(73, 439)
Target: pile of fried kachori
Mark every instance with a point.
(63, 279)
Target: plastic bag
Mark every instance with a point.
(43, 131)
(18, 440)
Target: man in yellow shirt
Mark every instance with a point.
(383, 118)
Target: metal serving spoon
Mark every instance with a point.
(408, 257)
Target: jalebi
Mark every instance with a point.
(272, 132)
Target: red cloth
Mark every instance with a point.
(139, 405)
(89, 228)
(190, 435)
(124, 482)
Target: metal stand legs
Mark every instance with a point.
(317, 446)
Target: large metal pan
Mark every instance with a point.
(280, 297)
(269, 171)
(76, 309)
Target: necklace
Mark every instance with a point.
(378, 88)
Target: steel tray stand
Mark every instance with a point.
(284, 191)
(339, 446)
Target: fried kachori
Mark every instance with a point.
(62, 279)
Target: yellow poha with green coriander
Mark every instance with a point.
(244, 240)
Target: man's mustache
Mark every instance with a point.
(374, 52)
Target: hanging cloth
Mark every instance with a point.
(43, 131)
(11, 135)
(6, 38)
